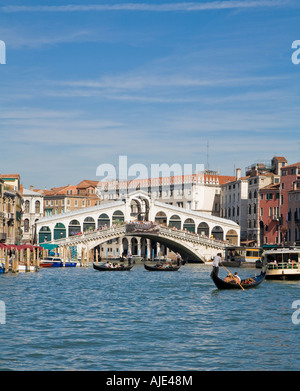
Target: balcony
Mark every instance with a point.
(275, 217)
(2, 237)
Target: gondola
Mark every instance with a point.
(246, 283)
(161, 268)
(103, 268)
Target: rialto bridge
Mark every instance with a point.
(142, 226)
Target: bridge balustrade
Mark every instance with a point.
(150, 228)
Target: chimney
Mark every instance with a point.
(238, 174)
(31, 187)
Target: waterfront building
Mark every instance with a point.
(234, 202)
(260, 174)
(198, 192)
(11, 209)
(241, 199)
(289, 175)
(66, 199)
(2, 233)
(269, 202)
(293, 222)
(87, 187)
(32, 211)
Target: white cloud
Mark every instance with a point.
(182, 6)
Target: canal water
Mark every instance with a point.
(82, 319)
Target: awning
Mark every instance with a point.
(48, 246)
(247, 242)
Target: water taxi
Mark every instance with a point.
(243, 256)
(282, 264)
(56, 262)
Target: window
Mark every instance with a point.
(37, 207)
(26, 225)
(27, 205)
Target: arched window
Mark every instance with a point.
(59, 231)
(232, 237)
(44, 234)
(161, 218)
(89, 224)
(74, 228)
(37, 207)
(118, 217)
(203, 229)
(217, 232)
(26, 225)
(189, 225)
(175, 222)
(27, 207)
(103, 220)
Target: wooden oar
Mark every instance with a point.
(232, 276)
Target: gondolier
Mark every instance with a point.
(216, 263)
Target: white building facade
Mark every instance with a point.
(32, 210)
(234, 202)
(197, 192)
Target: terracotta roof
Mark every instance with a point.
(87, 183)
(291, 165)
(273, 186)
(280, 158)
(15, 176)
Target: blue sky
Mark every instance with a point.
(86, 82)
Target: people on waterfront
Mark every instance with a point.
(216, 263)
